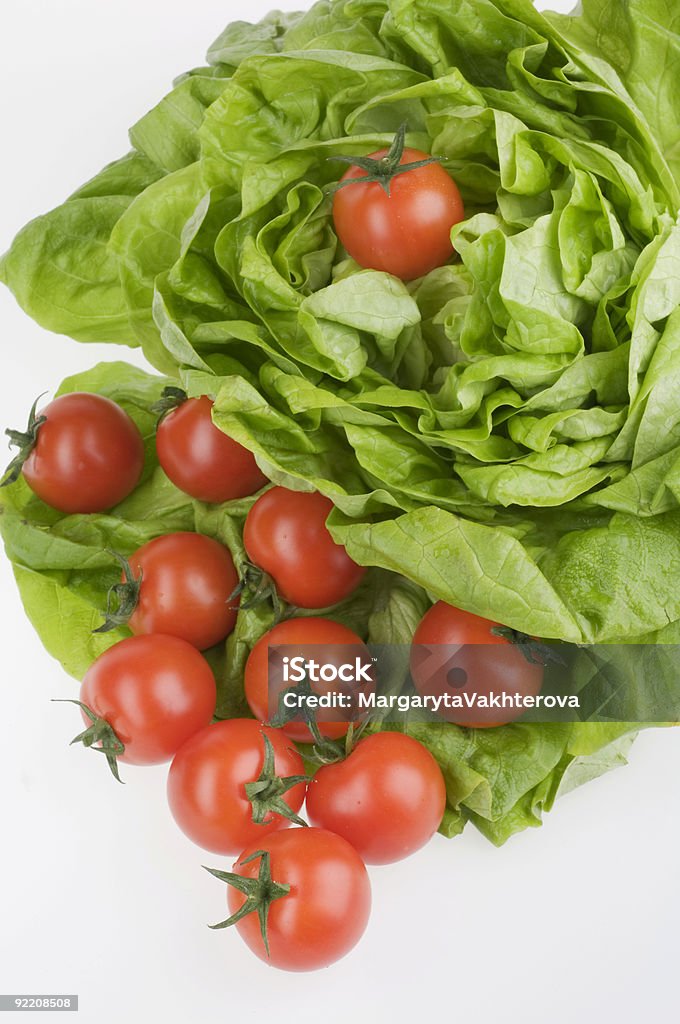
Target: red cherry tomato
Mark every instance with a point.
(455, 652)
(326, 911)
(286, 535)
(386, 799)
(202, 460)
(307, 638)
(406, 233)
(88, 455)
(154, 691)
(186, 584)
(207, 779)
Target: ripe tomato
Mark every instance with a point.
(207, 784)
(154, 691)
(186, 585)
(202, 460)
(455, 652)
(324, 911)
(86, 456)
(317, 638)
(406, 233)
(386, 799)
(286, 535)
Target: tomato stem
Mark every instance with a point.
(334, 751)
(535, 652)
(260, 893)
(384, 170)
(353, 736)
(125, 596)
(266, 793)
(98, 732)
(285, 714)
(171, 398)
(260, 587)
(25, 441)
(324, 750)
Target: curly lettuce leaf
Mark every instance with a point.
(61, 268)
(502, 433)
(640, 39)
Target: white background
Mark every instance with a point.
(99, 893)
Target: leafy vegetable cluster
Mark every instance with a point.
(503, 434)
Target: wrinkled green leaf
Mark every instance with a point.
(502, 434)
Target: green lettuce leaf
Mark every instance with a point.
(641, 41)
(60, 266)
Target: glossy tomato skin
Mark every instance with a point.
(407, 233)
(88, 457)
(455, 651)
(387, 798)
(155, 692)
(207, 778)
(187, 582)
(308, 637)
(201, 459)
(327, 909)
(286, 535)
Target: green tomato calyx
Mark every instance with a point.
(384, 170)
(98, 736)
(258, 587)
(266, 792)
(260, 893)
(25, 441)
(122, 598)
(171, 398)
(535, 651)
